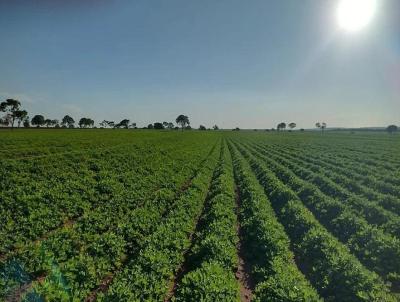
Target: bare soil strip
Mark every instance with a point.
(243, 271)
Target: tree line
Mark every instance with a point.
(13, 113)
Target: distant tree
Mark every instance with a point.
(26, 122)
(67, 121)
(202, 127)
(292, 126)
(165, 124)
(392, 129)
(133, 125)
(236, 129)
(272, 129)
(104, 124)
(321, 126)
(170, 126)
(82, 122)
(302, 130)
(150, 126)
(111, 124)
(158, 126)
(90, 122)
(48, 122)
(55, 123)
(215, 127)
(176, 128)
(281, 126)
(188, 127)
(21, 115)
(86, 122)
(123, 124)
(5, 120)
(183, 121)
(12, 109)
(38, 120)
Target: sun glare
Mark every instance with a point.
(354, 15)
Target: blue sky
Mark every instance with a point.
(233, 63)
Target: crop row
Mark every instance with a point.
(371, 211)
(274, 271)
(43, 200)
(147, 276)
(208, 273)
(352, 181)
(328, 264)
(32, 144)
(360, 156)
(100, 241)
(378, 251)
(374, 177)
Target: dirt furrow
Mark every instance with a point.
(243, 273)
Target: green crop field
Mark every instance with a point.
(142, 215)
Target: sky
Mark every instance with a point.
(234, 63)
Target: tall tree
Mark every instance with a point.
(48, 122)
(158, 126)
(86, 122)
(38, 120)
(202, 127)
(21, 116)
(183, 121)
(123, 124)
(215, 127)
(82, 122)
(292, 125)
(55, 123)
(26, 122)
(11, 107)
(281, 126)
(68, 121)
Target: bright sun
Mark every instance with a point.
(353, 15)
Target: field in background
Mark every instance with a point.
(131, 215)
